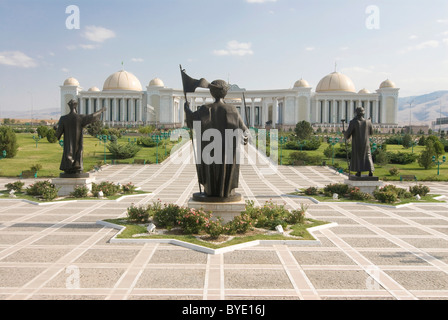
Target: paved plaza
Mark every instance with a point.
(374, 252)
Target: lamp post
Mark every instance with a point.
(438, 163)
(414, 143)
(61, 143)
(333, 142)
(301, 144)
(282, 140)
(3, 155)
(104, 138)
(37, 139)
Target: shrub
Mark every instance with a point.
(240, 224)
(123, 151)
(16, 186)
(167, 216)
(298, 216)
(146, 142)
(128, 188)
(192, 221)
(419, 190)
(386, 196)
(80, 192)
(36, 167)
(311, 191)
(8, 142)
(356, 194)
(394, 171)
(108, 188)
(340, 188)
(381, 157)
(214, 228)
(42, 131)
(139, 214)
(51, 136)
(44, 189)
(402, 157)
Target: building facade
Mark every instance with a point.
(333, 100)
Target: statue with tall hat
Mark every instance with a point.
(71, 126)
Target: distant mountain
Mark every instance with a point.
(40, 114)
(425, 108)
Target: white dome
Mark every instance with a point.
(122, 80)
(94, 89)
(336, 82)
(71, 82)
(364, 91)
(387, 84)
(156, 82)
(301, 84)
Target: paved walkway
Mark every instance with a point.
(58, 252)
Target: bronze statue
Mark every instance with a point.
(220, 177)
(71, 126)
(360, 131)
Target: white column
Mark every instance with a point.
(334, 111)
(315, 112)
(114, 109)
(274, 113)
(252, 112)
(264, 112)
(325, 112)
(243, 112)
(375, 111)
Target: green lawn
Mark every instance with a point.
(49, 155)
(383, 172)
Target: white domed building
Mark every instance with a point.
(334, 99)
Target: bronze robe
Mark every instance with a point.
(71, 125)
(218, 178)
(360, 132)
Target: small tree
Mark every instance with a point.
(42, 131)
(425, 158)
(8, 142)
(303, 130)
(95, 128)
(51, 136)
(407, 141)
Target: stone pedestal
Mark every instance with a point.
(365, 184)
(67, 185)
(226, 210)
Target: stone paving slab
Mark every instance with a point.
(57, 251)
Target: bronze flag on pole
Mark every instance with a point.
(190, 84)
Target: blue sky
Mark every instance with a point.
(257, 44)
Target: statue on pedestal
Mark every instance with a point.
(360, 130)
(217, 163)
(71, 126)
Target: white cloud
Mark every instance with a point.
(88, 46)
(427, 44)
(98, 34)
(445, 41)
(137, 60)
(17, 59)
(444, 21)
(235, 48)
(413, 37)
(310, 48)
(65, 70)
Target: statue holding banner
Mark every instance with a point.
(219, 131)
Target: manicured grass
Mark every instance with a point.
(383, 171)
(321, 198)
(299, 230)
(4, 194)
(49, 155)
